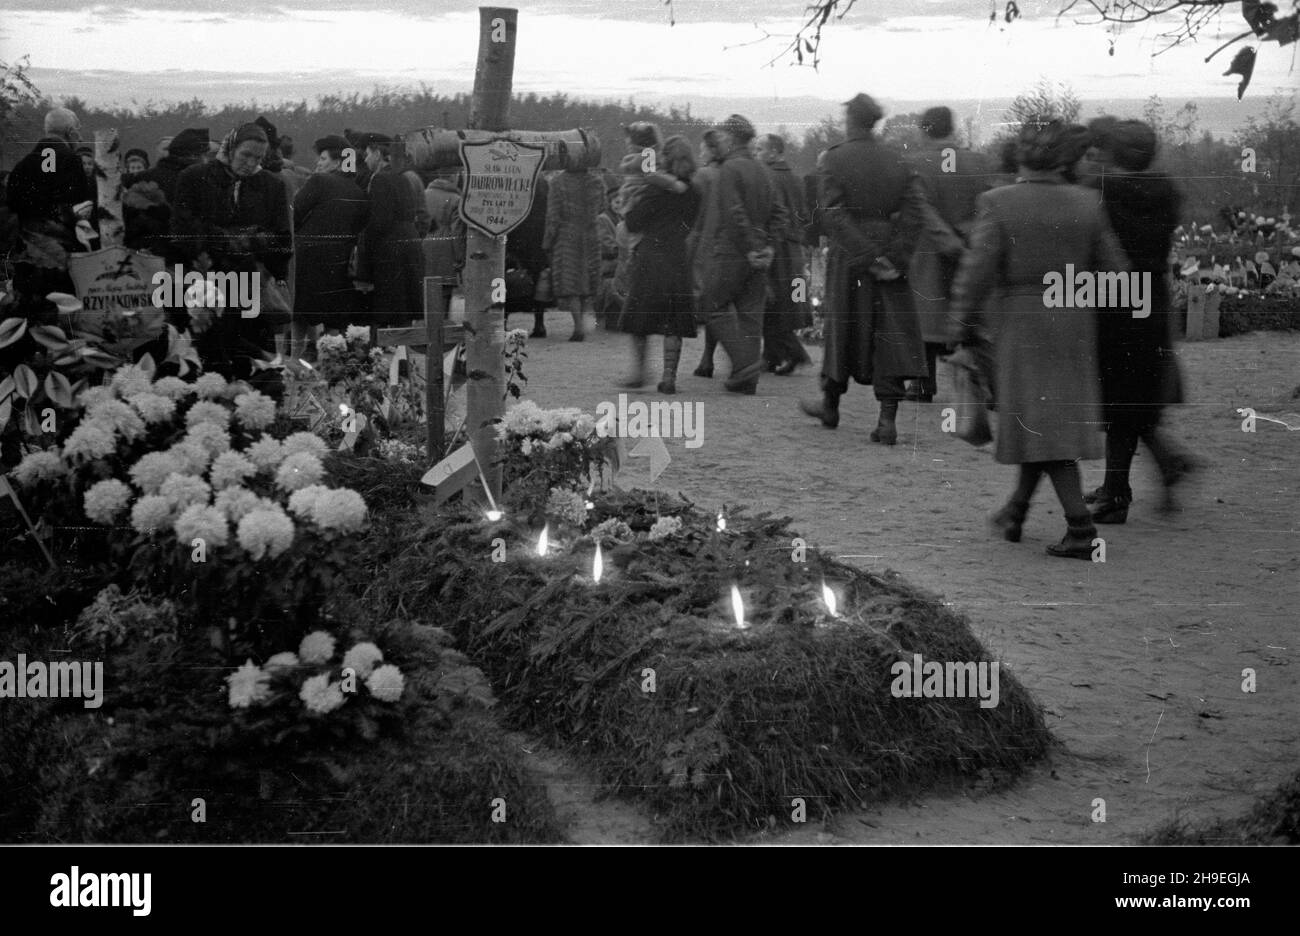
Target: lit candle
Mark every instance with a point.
(738, 607)
(494, 515)
(588, 502)
(541, 543)
(597, 566)
(828, 597)
(722, 522)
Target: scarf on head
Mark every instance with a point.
(228, 146)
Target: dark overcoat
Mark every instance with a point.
(1048, 390)
(870, 204)
(951, 187)
(661, 297)
(572, 237)
(329, 212)
(39, 198)
(785, 314)
(389, 254)
(748, 219)
(1139, 369)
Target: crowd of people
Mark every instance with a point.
(924, 250)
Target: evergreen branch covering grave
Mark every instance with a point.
(740, 723)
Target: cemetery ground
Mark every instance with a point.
(1136, 661)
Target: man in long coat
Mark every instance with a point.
(953, 178)
(750, 221)
(785, 313)
(871, 208)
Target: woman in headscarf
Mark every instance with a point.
(661, 294)
(1048, 392)
(390, 263)
(1139, 368)
(572, 241)
(328, 214)
(232, 217)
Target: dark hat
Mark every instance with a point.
(272, 137)
(332, 144)
(936, 122)
(741, 130)
(85, 151)
(1132, 144)
(863, 110)
(372, 139)
(189, 142)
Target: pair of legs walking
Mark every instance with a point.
(1125, 428)
(889, 391)
(1068, 484)
(672, 357)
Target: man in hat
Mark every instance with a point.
(872, 206)
(750, 222)
(185, 149)
(953, 178)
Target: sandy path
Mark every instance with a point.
(1138, 661)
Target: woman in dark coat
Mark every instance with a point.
(1048, 392)
(1139, 369)
(390, 262)
(328, 214)
(661, 293)
(230, 216)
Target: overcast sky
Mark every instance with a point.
(895, 49)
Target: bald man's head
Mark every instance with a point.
(61, 122)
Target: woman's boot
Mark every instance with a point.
(705, 368)
(1077, 543)
(1010, 520)
(886, 433)
(672, 356)
(828, 410)
(539, 323)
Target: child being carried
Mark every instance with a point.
(639, 179)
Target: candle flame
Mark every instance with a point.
(305, 364)
(597, 566)
(828, 596)
(738, 607)
(541, 543)
(343, 408)
(494, 515)
(722, 522)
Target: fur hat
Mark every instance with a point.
(332, 144)
(189, 143)
(642, 134)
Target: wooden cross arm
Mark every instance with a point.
(433, 148)
(417, 336)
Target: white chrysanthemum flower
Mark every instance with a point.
(612, 530)
(185, 490)
(363, 658)
(210, 385)
(305, 442)
(526, 446)
(95, 396)
(299, 470)
(105, 500)
(316, 648)
(152, 513)
(210, 437)
(359, 334)
(266, 532)
(152, 470)
(320, 695)
(282, 661)
(153, 407)
(248, 685)
(89, 441)
(254, 410)
(341, 509)
(331, 344)
(191, 454)
(201, 522)
(173, 388)
(266, 453)
(116, 415)
(569, 506)
(130, 380)
(303, 501)
(584, 426)
(39, 466)
(664, 527)
(230, 469)
(386, 683)
(205, 411)
(236, 502)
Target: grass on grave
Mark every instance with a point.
(740, 723)
(1273, 820)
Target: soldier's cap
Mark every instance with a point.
(863, 110)
(362, 140)
(739, 127)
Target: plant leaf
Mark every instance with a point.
(11, 329)
(25, 381)
(51, 336)
(58, 389)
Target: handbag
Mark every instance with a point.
(545, 290)
(973, 398)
